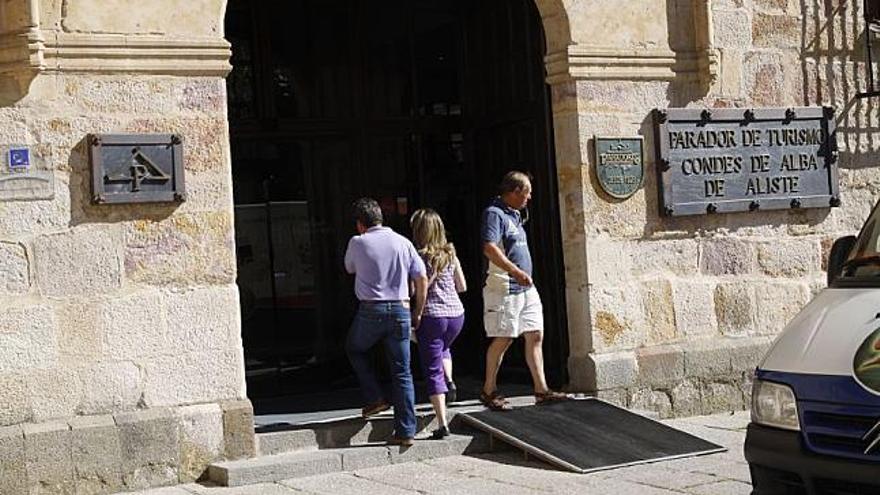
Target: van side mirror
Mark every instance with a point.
(839, 251)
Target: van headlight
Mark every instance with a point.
(774, 404)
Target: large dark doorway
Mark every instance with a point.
(412, 102)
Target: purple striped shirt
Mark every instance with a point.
(443, 300)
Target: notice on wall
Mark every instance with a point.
(22, 175)
(730, 160)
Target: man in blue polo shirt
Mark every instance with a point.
(512, 306)
(384, 263)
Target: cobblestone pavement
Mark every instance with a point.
(509, 473)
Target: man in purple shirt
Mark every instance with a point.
(383, 263)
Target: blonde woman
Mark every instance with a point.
(443, 315)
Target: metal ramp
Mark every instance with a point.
(588, 435)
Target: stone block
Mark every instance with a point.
(735, 308)
(661, 257)
(746, 354)
(149, 442)
(731, 72)
(777, 31)
(617, 317)
(727, 256)
(686, 398)
(707, 359)
(167, 379)
(357, 458)
(110, 387)
(78, 262)
(80, 338)
(13, 470)
(660, 365)
(53, 393)
(15, 407)
(28, 218)
(616, 396)
(203, 319)
(238, 429)
(201, 439)
(188, 249)
(615, 370)
(790, 258)
(733, 29)
(659, 312)
(722, 397)
(657, 401)
(48, 457)
(28, 337)
(607, 260)
(134, 327)
(96, 454)
(779, 303)
(274, 468)
(452, 445)
(279, 442)
(14, 269)
(695, 308)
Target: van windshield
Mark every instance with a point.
(864, 259)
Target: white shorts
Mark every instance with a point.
(511, 315)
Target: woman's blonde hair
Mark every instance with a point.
(429, 236)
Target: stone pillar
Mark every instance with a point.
(120, 323)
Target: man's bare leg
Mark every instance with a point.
(494, 355)
(534, 341)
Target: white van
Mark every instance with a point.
(816, 398)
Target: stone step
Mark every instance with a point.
(343, 433)
(270, 468)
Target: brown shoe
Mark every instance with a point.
(549, 397)
(403, 442)
(375, 408)
(494, 401)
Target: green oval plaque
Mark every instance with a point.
(866, 363)
(619, 165)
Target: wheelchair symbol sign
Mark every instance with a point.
(19, 158)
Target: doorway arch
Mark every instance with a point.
(419, 122)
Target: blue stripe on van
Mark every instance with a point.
(823, 388)
(835, 413)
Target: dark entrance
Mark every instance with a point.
(412, 102)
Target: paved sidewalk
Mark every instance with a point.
(509, 473)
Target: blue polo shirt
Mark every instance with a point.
(503, 226)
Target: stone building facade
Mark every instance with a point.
(121, 361)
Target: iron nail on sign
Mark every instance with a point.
(619, 165)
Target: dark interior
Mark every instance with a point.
(412, 102)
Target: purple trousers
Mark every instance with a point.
(436, 335)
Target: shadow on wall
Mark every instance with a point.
(833, 71)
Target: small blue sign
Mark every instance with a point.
(19, 158)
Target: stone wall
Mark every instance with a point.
(681, 309)
(122, 362)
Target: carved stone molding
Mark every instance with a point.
(593, 62)
(107, 53)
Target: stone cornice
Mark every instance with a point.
(21, 51)
(33, 51)
(606, 63)
(110, 53)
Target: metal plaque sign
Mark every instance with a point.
(729, 160)
(136, 168)
(19, 158)
(619, 165)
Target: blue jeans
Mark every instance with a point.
(390, 323)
